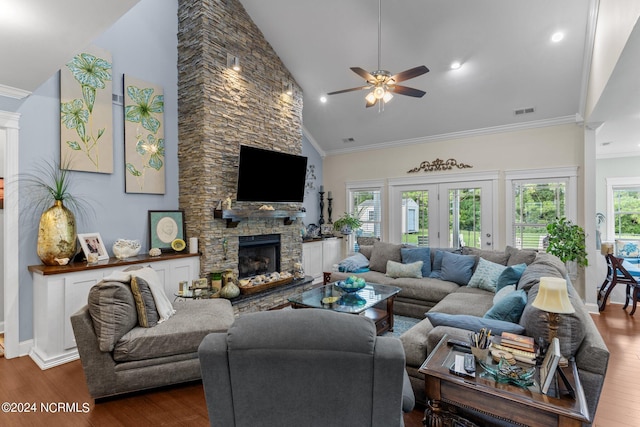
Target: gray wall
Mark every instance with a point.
(143, 43)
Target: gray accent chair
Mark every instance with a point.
(307, 367)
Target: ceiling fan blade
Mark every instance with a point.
(349, 90)
(403, 90)
(409, 74)
(364, 74)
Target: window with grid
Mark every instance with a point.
(536, 203)
(626, 213)
(365, 204)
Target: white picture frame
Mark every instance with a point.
(92, 243)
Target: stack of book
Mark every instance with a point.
(522, 347)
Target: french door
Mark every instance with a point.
(446, 214)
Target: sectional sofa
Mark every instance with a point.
(454, 290)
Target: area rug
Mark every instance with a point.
(401, 324)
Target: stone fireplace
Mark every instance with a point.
(218, 110)
(258, 255)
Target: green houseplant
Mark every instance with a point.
(347, 223)
(567, 241)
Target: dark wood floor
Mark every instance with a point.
(21, 381)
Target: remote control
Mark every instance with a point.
(459, 343)
(469, 363)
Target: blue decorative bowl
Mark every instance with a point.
(351, 287)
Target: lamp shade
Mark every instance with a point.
(553, 296)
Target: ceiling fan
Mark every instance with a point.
(381, 81)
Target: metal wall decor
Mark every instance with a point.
(439, 165)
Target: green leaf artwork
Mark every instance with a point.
(144, 136)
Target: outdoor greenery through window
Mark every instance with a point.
(464, 217)
(626, 208)
(366, 206)
(536, 204)
(415, 218)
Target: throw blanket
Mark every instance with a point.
(163, 304)
(354, 263)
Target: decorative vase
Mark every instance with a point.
(123, 248)
(56, 234)
(229, 287)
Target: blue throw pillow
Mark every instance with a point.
(473, 323)
(509, 308)
(510, 276)
(436, 269)
(411, 255)
(457, 268)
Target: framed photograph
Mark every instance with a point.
(164, 228)
(549, 365)
(92, 243)
(201, 283)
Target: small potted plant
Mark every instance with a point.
(567, 242)
(347, 223)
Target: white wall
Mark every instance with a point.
(3, 143)
(142, 43)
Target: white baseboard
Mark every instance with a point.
(24, 347)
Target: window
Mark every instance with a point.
(623, 208)
(536, 199)
(365, 203)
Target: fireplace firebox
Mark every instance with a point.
(258, 254)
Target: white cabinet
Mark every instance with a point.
(320, 256)
(58, 292)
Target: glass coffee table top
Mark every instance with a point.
(331, 297)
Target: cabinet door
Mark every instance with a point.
(312, 259)
(331, 253)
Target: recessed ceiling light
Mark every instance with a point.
(323, 99)
(556, 37)
(455, 65)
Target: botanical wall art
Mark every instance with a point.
(86, 137)
(143, 136)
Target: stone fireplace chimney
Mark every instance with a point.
(218, 110)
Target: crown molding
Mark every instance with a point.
(13, 92)
(573, 119)
(313, 142)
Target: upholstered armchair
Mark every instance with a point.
(306, 367)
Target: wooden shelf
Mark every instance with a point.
(235, 216)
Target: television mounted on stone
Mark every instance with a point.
(270, 176)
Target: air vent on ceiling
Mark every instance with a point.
(348, 140)
(522, 111)
(604, 144)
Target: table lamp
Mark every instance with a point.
(553, 298)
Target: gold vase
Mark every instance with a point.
(56, 234)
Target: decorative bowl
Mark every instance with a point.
(351, 287)
(124, 248)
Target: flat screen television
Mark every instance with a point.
(270, 176)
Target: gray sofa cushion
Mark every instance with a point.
(493, 256)
(473, 323)
(113, 311)
(383, 252)
(545, 265)
(519, 256)
(182, 333)
(366, 250)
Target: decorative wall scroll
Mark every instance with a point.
(143, 137)
(439, 165)
(86, 114)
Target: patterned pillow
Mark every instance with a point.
(486, 275)
(627, 248)
(145, 305)
(397, 269)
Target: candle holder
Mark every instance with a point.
(321, 220)
(329, 209)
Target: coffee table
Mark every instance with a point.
(373, 301)
(517, 405)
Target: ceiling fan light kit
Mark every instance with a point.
(381, 82)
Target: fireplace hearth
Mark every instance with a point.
(258, 254)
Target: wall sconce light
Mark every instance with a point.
(288, 89)
(233, 62)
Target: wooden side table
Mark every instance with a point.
(519, 406)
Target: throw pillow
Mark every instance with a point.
(397, 269)
(146, 307)
(457, 268)
(410, 255)
(473, 323)
(519, 256)
(383, 252)
(508, 308)
(366, 250)
(503, 293)
(353, 263)
(627, 248)
(113, 311)
(486, 275)
(163, 304)
(436, 269)
(510, 276)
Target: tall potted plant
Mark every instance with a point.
(48, 192)
(347, 223)
(567, 242)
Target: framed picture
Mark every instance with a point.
(201, 283)
(164, 228)
(549, 365)
(92, 243)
